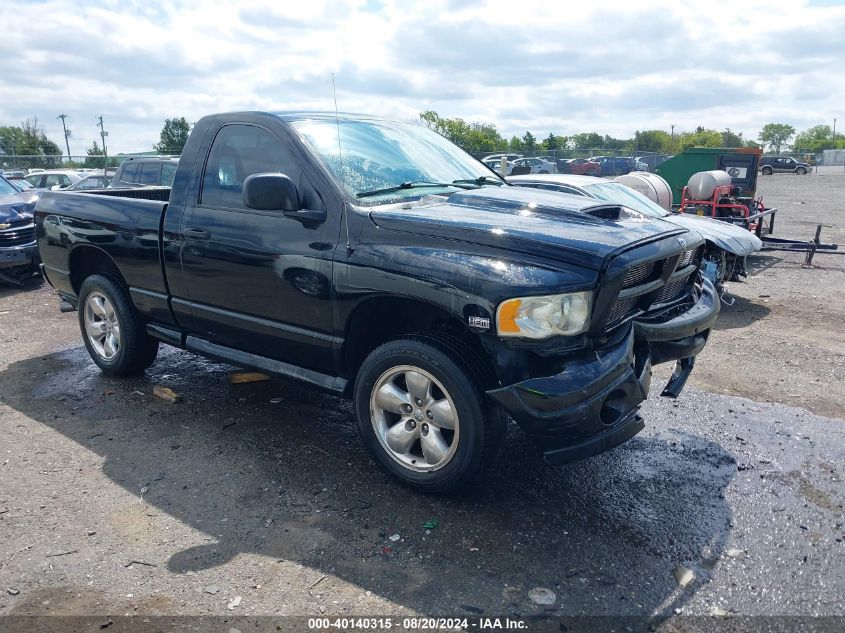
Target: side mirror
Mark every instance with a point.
(276, 192)
(270, 192)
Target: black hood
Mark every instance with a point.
(546, 223)
(15, 207)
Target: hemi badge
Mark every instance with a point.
(479, 322)
(4, 226)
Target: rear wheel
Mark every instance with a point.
(113, 333)
(767, 171)
(423, 415)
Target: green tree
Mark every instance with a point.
(173, 136)
(776, 135)
(515, 144)
(472, 137)
(95, 158)
(656, 141)
(529, 142)
(28, 139)
(817, 139)
(586, 140)
(701, 137)
(732, 139)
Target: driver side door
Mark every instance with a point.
(257, 280)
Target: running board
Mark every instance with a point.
(334, 384)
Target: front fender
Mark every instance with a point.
(729, 237)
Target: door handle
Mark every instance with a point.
(196, 234)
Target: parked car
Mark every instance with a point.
(496, 165)
(14, 174)
(53, 179)
(91, 181)
(769, 165)
(613, 165)
(402, 274)
(509, 157)
(727, 245)
(145, 171)
(18, 250)
(651, 161)
(580, 166)
(536, 165)
(639, 165)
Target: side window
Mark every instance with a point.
(51, 181)
(168, 172)
(150, 174)
(64, 181)
(239, 151)
(130, 173)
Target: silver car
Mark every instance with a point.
(727, 245)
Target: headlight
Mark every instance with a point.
(542, 317)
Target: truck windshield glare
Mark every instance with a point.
(382, 155)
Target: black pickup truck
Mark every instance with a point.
(376, 260)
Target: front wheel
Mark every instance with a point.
(113, 333)
(423, 415)
(801, 171)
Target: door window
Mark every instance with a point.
(150, 174)
(130, 173)
(168, 172)
(239, 151)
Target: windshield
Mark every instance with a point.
(621, 194)
(380, 155)
(6, 186)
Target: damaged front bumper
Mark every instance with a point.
(588, 408)
(591, 406)
(679, 334)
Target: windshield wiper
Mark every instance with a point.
(481, 180)
(412, 185)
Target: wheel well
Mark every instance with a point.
(380, 320)
(88, 260)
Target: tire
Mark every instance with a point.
(801, 171)
(767, 171)
(449, 369)
(111, 329)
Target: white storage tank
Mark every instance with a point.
(702, 185)
(650, 185)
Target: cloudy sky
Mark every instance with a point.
(544, 65)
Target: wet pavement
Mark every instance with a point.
(114, 501)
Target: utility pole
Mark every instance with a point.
(834, 129)
(672, 125)
(67, 133)
(103, 135)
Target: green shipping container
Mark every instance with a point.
(740, 162)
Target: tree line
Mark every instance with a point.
(483, 137)
(29, 139)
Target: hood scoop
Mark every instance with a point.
(614, 212)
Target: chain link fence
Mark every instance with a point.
(26, 163)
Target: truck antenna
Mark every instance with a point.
(340, 161)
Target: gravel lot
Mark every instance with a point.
(115, 502)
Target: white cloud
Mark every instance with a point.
(545, 66)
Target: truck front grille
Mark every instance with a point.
(673, 289)
(17, 235)
(692, 256)
(638, 273)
